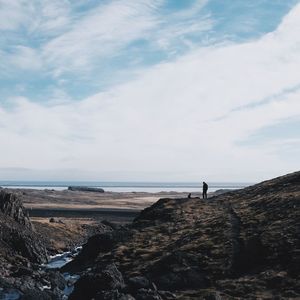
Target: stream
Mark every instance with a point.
(58, 261)
(55, 262)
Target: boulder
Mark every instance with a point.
(138, 282)
(55, 220)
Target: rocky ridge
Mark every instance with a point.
(239, 245)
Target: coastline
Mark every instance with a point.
(127, 187)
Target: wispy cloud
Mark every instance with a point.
(34, 16)
(68, 41)
(100, 34)
(182, 28)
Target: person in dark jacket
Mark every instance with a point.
(204, 192)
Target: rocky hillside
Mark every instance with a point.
(239, 245)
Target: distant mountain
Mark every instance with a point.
(242, 244)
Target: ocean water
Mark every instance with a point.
(150, 187)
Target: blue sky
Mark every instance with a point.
(124, 90)
(176, 28)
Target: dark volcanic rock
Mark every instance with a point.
(99, 243)
(11, 205)
(239, 245)
(138, 282)
(21, 253)
(85, 189)
(178, 270)
(102, 282)
(148, 294)
(17, 236)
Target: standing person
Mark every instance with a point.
(204, 192)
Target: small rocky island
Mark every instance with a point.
(85, 189)
(242, 244)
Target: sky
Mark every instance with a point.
(149, 90)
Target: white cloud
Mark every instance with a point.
(168, 119)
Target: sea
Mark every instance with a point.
(149, 187)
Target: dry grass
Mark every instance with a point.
(63, 236)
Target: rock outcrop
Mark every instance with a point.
(17, 236)
(12, 206)
(238, 245)
(21, 255)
